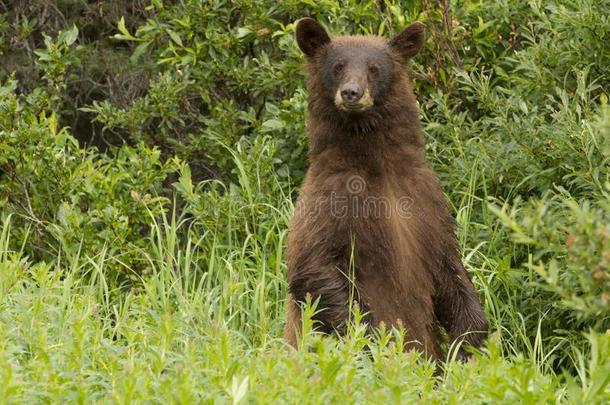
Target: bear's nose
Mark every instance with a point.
(351, 92)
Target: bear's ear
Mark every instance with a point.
(311, 36)
(409, 41)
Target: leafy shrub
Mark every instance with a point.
(71, 201)
(96, 70)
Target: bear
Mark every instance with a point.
(371, 225)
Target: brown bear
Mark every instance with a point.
(371, 224)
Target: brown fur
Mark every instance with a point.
(406, 265)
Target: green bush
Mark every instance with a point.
(68, 201)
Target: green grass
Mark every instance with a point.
(189, 334)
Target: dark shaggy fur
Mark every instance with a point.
(371, 223)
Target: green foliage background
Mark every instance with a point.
(150, 153)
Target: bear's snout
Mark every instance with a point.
(351, 92)
(353, 97)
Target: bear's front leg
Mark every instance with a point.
(458, 308)
(330, 288)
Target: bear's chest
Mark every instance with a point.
(352, 206)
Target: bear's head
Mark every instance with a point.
(355, 74)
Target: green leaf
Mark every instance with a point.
(273, 124)
(175, 37)
(124, 33)
(239, 389)
(42, 54)
(243, 32)
(71, 35)
(140, 49)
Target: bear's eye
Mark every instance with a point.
(374, 69)
(339, 68)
